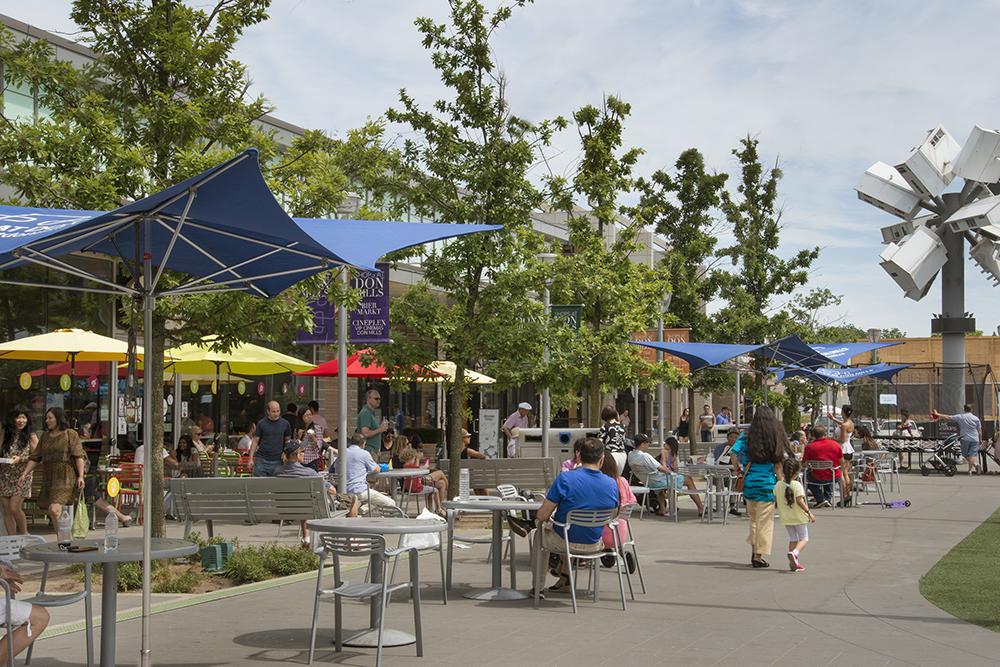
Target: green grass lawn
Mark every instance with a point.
(966, 582)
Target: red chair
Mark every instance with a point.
(131, 480)
(244, 467)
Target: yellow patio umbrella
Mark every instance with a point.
(67, 345)
(70, 345)
(242, 359)
(446, 373)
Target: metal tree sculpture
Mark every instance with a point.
(931, 239)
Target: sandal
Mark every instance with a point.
(561, 586)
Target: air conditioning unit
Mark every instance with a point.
(986, 254)
(975, 215)
(915, 260)
(883, 187)
(979, 159)
(928, 169)
(896, 232)
(990, 231)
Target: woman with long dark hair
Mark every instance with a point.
(612, 434)
(684, 426)
(18, 443)
(61, 457)
(757, 456)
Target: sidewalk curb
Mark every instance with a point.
(187, 601)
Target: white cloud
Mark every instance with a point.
(828, 86)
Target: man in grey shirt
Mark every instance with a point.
(970, 434)
(272, 434)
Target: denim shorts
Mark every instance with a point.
(970, 448)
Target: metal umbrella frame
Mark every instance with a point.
(224, 228)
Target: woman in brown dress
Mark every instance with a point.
(18, 443)
(61, 458)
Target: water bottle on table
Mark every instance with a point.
(64, 530)
(463, 484)
(111, 532)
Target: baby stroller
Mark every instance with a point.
(944, 458)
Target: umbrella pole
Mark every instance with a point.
(343, 439)
(148, 303)
(218, 422)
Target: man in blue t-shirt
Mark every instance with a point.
(272, 434)
(585, 488)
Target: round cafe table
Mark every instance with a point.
(497, 507)
(368, 637)
(394, 474)
(129, 550)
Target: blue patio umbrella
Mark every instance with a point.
(223, 228)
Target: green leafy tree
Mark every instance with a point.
(164, 100)
(467, 161)
(618, 296)
(759, 277)
(893, 332)
(683, 206)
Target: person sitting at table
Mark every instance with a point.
(243, 446)
(868, 442)
(823, 448)
(585, 488)
(388, 449)
(625, 497)
(668, 457)
(27, 620)
(359, 465)
(93, 494)
(139, 457)
(187, 457)
(436, 478)
(199, 444)
(468, 451)
(293, 465)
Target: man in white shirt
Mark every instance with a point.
(512, 427)
(140, 457)
(649, 471)
(359, 464)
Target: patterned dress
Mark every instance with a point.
(11, 472)
(54, 457)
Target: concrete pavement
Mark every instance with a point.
(858, 603)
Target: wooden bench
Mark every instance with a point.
(254, 499)
(532, 474)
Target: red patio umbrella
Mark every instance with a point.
(83, 369)
(355, 369)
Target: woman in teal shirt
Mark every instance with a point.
(758, 456)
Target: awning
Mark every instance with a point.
(841, 375)
(700, 355)
(842, 353)
(788, 350)
(362, 242)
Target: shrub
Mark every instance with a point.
(282, 561)
(249, 564)
(182, 583)
(246, 566)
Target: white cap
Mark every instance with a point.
(524, 406)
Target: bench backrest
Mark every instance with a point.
(534, 474)
(238, 499)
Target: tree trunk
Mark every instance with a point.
(456, 406)
(594, 397)
(153, 391)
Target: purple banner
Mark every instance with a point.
(370, 320)
(324, 325)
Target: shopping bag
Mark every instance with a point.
(422, 540)
(81, 521)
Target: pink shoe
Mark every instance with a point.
(799, 567)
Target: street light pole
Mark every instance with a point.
(661, 400)
(875, 335)
(546, 258)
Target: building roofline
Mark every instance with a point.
(34, 31)
(68, 44)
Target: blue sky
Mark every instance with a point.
(827, 87)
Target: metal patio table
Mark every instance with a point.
(497, 507)
(129, 550)
(368, 637)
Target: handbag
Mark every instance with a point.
(81, 520)
(738, 483)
